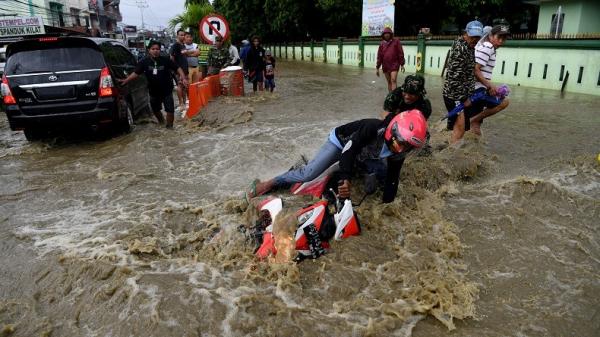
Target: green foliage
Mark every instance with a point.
(343, 17)
(291, 19)
(197, 2)
(465, 6)
(246, 18)
(302, 20)
(191, 17)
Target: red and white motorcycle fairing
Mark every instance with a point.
(317, 186)
(312, 223)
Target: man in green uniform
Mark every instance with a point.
(410, 95)
(218, 57)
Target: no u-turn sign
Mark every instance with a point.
(213, 25)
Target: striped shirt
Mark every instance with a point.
(485, 55)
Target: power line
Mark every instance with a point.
(141, 5)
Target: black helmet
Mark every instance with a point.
(414, 84)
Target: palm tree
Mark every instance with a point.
(199, 2)
(194, 12)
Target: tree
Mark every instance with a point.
(288, 18)
(297, 20)
(339, 18)
(196, 2)
(246, 18)
(191, 17)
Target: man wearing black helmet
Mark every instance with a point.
(408, 96)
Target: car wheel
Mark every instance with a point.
(33, 134)
(126, 122)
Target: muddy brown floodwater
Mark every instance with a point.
(137, 235)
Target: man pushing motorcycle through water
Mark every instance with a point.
(378, 146)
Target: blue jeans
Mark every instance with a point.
(269, 83)
(327, 156)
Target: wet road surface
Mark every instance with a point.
(137, 234)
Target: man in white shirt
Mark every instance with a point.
(191, 52)
(485, 60)
(234, 55)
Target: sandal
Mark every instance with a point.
(251, 190)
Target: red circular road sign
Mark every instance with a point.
(213, 25)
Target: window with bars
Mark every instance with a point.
(56, 14)
(75, 19)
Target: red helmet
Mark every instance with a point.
(405, 131)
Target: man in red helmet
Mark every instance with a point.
(358, 141)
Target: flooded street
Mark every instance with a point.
(138, 234)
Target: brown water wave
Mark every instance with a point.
(138, 235)
(190, 271)
(534, 251)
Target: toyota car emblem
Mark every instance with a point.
(53, 78)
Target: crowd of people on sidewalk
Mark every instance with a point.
(188, 62)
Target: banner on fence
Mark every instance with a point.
(376, 15)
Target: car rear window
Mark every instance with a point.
(54, 59)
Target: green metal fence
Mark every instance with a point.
(544, 64)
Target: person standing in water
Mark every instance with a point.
(255, 64)
(191, 52)
(218, 57)
(460, 78)
(410, 95)
(485, 60)
(178, 56)
(157, 70)
(234, 55)
(390, 57)
(269, 71)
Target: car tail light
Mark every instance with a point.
(48, 39)
(7, 95)
(106, 83)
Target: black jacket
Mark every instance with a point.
(255, 60)
(394, 103)
(363, 139)
(160, 83)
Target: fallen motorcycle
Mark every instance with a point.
(329, 218)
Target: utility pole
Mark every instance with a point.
(141, 4)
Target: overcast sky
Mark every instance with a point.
(157, 14)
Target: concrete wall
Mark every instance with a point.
(590, 17)
(539, 66)
(535, 63)
(410, 52)
(581, 16)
